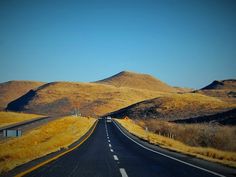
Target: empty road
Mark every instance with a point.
(110, 153)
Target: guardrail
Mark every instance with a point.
(11, 126)
(34, 164)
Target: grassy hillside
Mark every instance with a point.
(12, 90)
(174, 106)
(224, 90)
(91, 98)
(229, 84)
(223, 118)
(7, 118)
(140, 81)
(42, 141)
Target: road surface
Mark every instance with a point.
(110, 153)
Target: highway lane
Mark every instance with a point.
(27, 125)
(109, 153)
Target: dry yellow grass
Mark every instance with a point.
(205, 134)
(42, 141)
(7, 118)
(175, 106)
(224, 157)
(92, 99)
(98, 99)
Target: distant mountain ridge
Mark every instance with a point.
(221, 84)
(151, 97)
(222, 89)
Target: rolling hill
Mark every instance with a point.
(173, 107)
(140, 81)
(92, 99)
(11, 90)
(224, 118)
(224, 90)
(148, 97)
(229, 84)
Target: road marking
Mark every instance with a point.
(115, 157)
(112, 150)
(109, 145)
(109, 141)
(173, 158)
(56, 157)
(123, 172)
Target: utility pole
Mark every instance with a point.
(77, 112)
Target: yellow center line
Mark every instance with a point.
(56, 157)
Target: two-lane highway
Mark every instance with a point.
(110, 153)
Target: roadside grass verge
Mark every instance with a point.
(202, 134)
(7, 118)
(207, 153)
(41, 141)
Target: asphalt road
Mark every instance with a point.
(110, 153)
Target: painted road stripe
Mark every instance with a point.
(170, 157)
(123, 172)
(56, 157)
(109, 141)
(109, 145)
(115, 157)
(112, 150)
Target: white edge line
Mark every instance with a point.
(112, 150)
(173, 158)
(123, 172)
(115, 157)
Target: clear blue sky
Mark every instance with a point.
(182, 42)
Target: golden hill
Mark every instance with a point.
(229, 84)
(92, 99)
(174, 106)
(12, 90)
(224, 90)
(140, 81)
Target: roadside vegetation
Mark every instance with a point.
(7, 118)
(203, 135)
(41, 141)
(209, 142)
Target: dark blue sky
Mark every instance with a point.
(182, 42)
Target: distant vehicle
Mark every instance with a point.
(108, 119)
